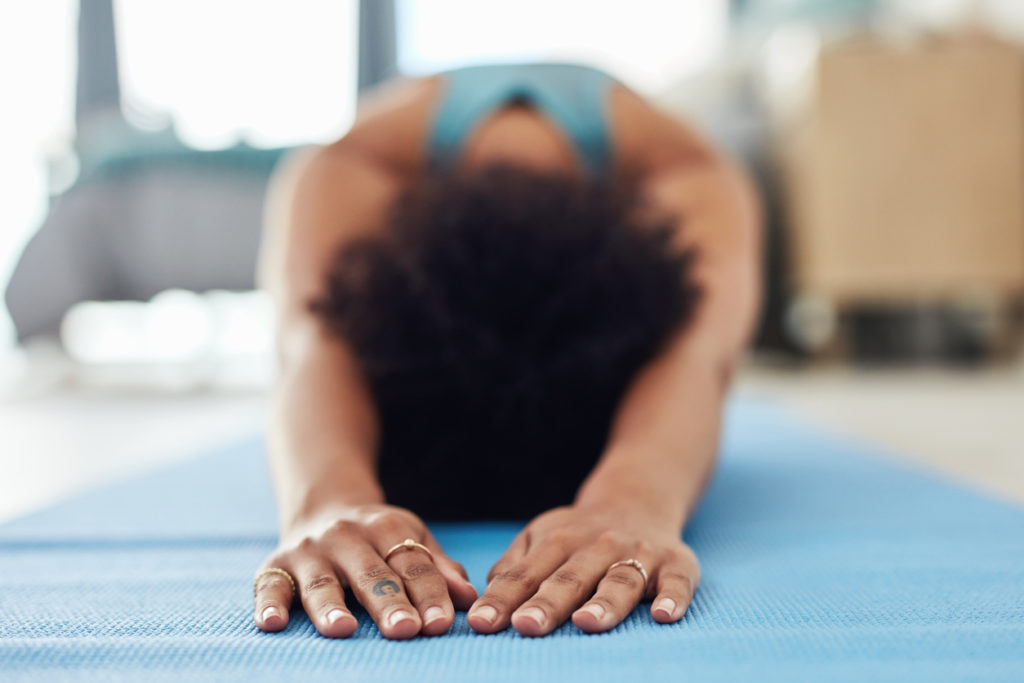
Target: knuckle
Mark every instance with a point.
(342, 527)
(518, 575)
(494, 571)
(667, 556)
(644, 547)
(273, 582)
(307, 544)
(685, 561)
(499, 601)
(683, 555)
(320, 582)
(679, 578)
(630, 579)
(612, 538)
(569, 579)
(671, 575)
(560, 538)
(417, 570)
(388, 524)
(372, 575)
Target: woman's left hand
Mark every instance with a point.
(558, 566)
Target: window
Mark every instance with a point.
(269, 73)
(649, 44)
(265, 72)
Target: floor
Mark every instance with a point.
(66, 438)
(966, 423)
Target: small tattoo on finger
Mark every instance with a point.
(386, 587)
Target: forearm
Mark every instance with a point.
(664, 440)
(664, 437)
(323, 432)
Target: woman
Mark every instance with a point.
(509, 291)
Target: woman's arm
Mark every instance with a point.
(323, 436)
(665, 434)
(663, 441)
(323, 431)
(324, 428)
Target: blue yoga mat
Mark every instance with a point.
(821, 561)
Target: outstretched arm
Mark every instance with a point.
(665, 434)
(323, 429)
(335, 524)
(663, 441)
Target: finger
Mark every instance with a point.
(617, 594)
(324, 599)
(273, 596)
(566, 588)
(426, 587)
(514, 584)
(515, 552)
(462, 592)
(677, 580)
(377, 587)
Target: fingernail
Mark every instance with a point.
(533, 613)
(270, 613)
(432, 614)
(595, 609)
(485, 612)
(666, 605)
(334, 616)
(398, 616)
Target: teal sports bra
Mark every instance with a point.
(573, 96)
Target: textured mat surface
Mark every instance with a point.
(820, 561)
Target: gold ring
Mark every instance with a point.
(273, 570)
(632, 563)
(407, 543)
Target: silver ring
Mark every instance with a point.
(407, 543)
(632, 562)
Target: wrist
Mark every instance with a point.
(631, 498)
(331, 501)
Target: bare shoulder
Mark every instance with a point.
(319, 199)
(649, 139)
(392, 123)
(322, 197)
(683, 173)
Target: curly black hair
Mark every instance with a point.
(498, 318)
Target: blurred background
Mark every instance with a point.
(887, 138)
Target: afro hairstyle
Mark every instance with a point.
(498, 318)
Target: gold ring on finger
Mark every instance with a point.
(273, 570)
(407, 543)
(632, 562)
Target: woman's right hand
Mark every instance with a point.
(409, 594)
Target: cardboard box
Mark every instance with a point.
(905, 173)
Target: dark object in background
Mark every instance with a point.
(924, 334)
(499, 318)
